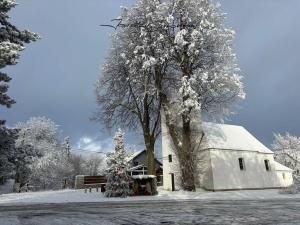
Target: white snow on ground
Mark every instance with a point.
(7, 187)
(64, 196)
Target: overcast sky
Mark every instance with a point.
(55, 75)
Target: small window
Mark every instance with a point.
(242, 164)
(267, 165)
(135, 163)
(170, 158)
(298, 171)
(283, 176)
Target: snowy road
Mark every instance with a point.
(156, 212)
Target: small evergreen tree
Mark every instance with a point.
(117, 178)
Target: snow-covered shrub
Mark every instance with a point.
(293, 189)
(50, 171)
(117, 177)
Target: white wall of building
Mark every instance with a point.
(169, 167)
(228, 175)
(205, 170)
(285, 178)
(219, 169)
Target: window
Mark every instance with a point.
(170, 158)
(283, 176)
(135, 163)
(267, 165)
(298, 171)
(242, 164)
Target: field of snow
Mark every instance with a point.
(67, 196)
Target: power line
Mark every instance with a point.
(83, 150)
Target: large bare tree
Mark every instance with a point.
(183, 50)
(124, 96)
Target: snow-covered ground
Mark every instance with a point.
(65, 196)
(183, 212)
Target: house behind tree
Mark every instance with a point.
(138, 165)
(228, 158)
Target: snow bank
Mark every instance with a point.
(64, 196)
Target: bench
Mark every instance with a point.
(94, 182)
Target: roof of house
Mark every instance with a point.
(280, 167)
(230, 137)
(142, 177)
(137, 167)
(136, 154)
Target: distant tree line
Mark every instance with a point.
(33, 152)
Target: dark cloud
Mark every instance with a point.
(56, 74)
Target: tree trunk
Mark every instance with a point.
(183, 147)
(187, 159)
(148, 138)
(151, 161)
(150, 155)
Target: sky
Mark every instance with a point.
(56, 75)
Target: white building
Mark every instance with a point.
(229, 158)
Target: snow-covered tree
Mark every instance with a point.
(93, 164)
(7, 147)
(12, 41)
(22, 158)
(185, 52)
(125, 99)
(51, 166)
(48, 172)
(117, 178)
(77, 163)
(14, 161)
(41, 133)
(287, 150)
(67, 147)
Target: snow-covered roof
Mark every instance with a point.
(230, 137)
(280, 167)
(137, 167)
(141, 177)
(135, 154)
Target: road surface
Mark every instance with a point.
(156, 212)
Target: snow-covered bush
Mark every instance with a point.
(52, 171)
(293, 189)
(117, 178)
